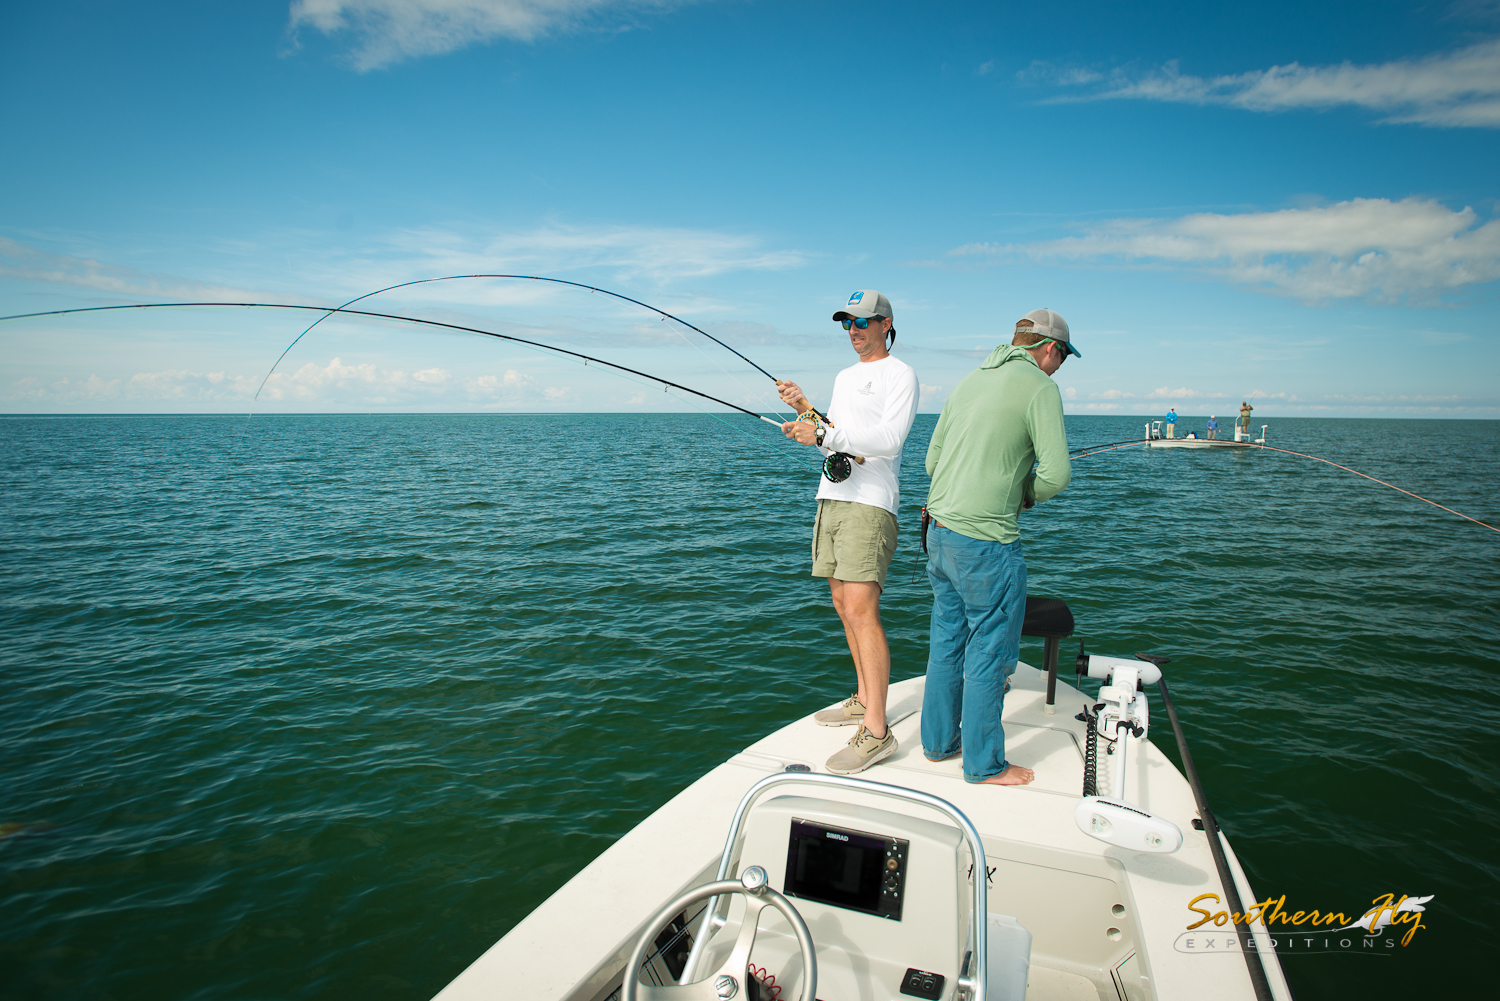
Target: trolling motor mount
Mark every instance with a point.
(1122, 717)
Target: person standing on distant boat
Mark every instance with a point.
(1245, 409)
(1001, 419)
(1172, 422)
(854, 535)
(1213, 428)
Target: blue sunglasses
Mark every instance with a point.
(860, 324)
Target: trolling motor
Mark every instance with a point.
(1114, 819)
(1122, 717)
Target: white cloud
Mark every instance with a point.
(657, 253)
(25, 263)
(1073, 76)
(1460, 88)
(1414, 250)
(335, 383)
(170, 386)
(1434, 401)
(1272, 406)
(1227, 403)
(1444, 336)
(388, 31)
(631, 254)
(511, 380)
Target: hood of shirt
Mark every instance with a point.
(1006, 353)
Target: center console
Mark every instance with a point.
(886, 896)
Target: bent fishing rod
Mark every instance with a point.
(837, 466)
(400, 319)
(538, 278)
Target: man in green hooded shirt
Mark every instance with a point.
(1002, 419)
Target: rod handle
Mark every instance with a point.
(801, 406)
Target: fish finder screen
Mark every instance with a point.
(834, 866)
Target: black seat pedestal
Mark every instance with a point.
(1051, 619)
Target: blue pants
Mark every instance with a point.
(978, 605)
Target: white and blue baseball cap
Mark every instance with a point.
(1046, 323)
(866, 304)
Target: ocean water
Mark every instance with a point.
(320, 706)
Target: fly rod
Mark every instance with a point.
(401, 319)
(835, 467)
(535, 278)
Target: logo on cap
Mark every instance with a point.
(856, 297)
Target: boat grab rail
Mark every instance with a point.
(972, 977)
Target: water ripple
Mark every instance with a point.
(320, 706)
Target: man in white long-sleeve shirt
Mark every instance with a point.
(854, 537)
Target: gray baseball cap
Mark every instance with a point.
(1051, 326)
(864, 305)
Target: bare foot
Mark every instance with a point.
(1014, 775)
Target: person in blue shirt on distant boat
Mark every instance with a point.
(1213, 428)
(1172, 423)
(854, 535)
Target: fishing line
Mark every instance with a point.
(836, 467)
(407, 319)
(1115, 447)
(761, 442)
(531, 278)
(1112, 448)
(1330, 462)
(1383, 483)
(1105, 445)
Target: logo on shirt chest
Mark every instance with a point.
(868, 390)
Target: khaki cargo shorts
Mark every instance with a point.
(853, 542)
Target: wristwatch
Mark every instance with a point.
(818, 435)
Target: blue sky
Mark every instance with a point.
(1288, 202)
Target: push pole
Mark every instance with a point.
(1211, 829)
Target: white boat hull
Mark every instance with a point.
(1105, 922)
(1197, 443)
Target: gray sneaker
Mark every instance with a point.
(863, 751)
(851, 710)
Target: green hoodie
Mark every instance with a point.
(1004, 416)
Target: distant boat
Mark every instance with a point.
(1156, 439)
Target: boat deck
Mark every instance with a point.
(1106, 922)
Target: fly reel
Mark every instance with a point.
(837, 467)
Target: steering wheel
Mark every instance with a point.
(728, 981)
